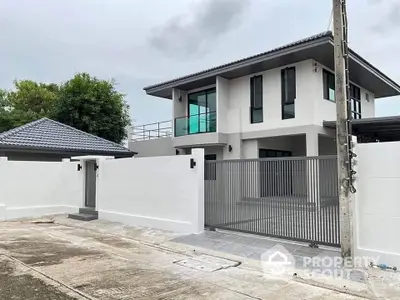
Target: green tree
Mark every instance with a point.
(94, 106)
(29, 101)
(5, 118)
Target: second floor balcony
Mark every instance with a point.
(195, 123)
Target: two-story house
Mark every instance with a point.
(268, 105)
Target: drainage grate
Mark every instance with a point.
(207, 263)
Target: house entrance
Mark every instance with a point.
(90, 183)
(273, 179)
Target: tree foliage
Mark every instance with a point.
(84, 102)
(29, 101)
(94, 106)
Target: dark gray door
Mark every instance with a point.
(274, 179)
(90, 184)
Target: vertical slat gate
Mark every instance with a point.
(292, 198)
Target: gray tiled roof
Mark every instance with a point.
(318, 36)
(53, 135)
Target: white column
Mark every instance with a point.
(198, 208)
(312, 164)
(312, 144)
(179, 103)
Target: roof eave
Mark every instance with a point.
(393, 89)
(44, 150)
(388, 89)
(152, 90)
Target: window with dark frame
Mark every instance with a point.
(329, 85)
(256, 99)
(288, 80)
(355, 96)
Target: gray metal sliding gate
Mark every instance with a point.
(293, 198)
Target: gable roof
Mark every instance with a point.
(50, 135)
(318, 47)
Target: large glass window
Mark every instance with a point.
(202, 112)
(355, 96)
(256, 99)
(329, 85)
(288, 80)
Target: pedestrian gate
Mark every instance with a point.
(292, 198)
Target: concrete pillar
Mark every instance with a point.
(179, 103)
(312, 166)
(250, 149)
(312, 144)
(198, 208)
(235, 149)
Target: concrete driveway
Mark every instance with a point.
(99, 260)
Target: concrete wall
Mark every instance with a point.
(326, 145)
(30, 189)
(158, 192)
(154, 147)
(376, 203)
(250, 149)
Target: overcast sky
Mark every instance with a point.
(143, 42)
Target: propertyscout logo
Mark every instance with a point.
(277, 260)
(280, 261)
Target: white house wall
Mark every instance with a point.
(154, 147)
(239, 100)
(233, 100)
(233, 113)
(222, 104)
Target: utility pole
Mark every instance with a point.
(342, 123)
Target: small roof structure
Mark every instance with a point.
(319, 47)
(383, 129)
(49, 136)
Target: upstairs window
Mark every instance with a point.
(355, 96)
(329, 85)
(256, 99)
(288, 79)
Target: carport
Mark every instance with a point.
(370, 130)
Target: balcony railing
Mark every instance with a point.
(151, 131)
(198, 123)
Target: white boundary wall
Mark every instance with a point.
(32, 189)
(377, 202)
(158, 192)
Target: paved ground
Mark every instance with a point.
(100, 260)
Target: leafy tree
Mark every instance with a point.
(28, 102)
(94, 106)
(5, 119)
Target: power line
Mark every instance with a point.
(330, 21)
